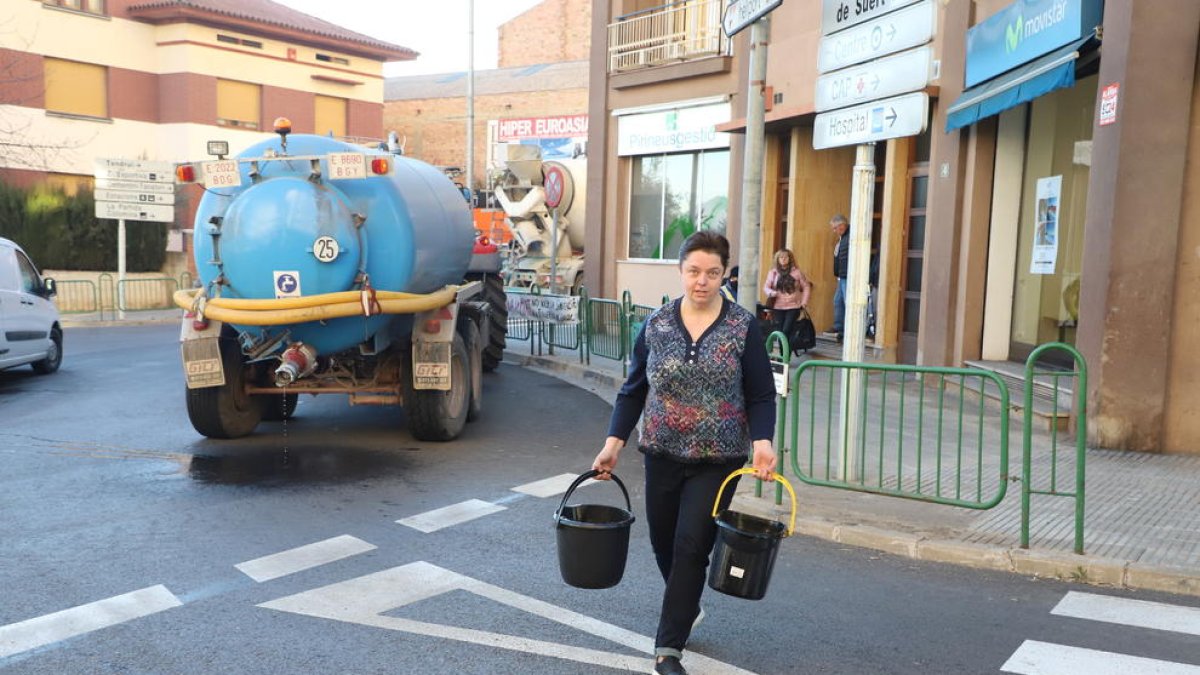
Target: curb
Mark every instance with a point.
(67, 323)
(1039, 564)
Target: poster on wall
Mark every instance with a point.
(1045, 234)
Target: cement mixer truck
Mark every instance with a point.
(520, 190)
(326, 268)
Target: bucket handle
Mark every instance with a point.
(778, 477)
(579, 481)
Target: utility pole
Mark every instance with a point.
(855, 323)
(471, 99)
(752, 168)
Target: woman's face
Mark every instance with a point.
(783, 259)
(701, 273)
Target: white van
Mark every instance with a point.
(29, 327)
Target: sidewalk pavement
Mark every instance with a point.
(1142, 516)
(1142, 511)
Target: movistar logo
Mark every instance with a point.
(1020, 29)
(1013, 34)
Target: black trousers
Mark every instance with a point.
(785, 319)
(679, 502)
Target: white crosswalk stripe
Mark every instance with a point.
(1124, 611)
(304, 557)
(455, 514)
(1044, 658)
(44, 630)
(549, 487)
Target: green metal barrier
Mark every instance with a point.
(144, 294)
(76, 296)
(941, 468)
(607, 330)
(519, 329)
(1080, 397)
(778, 351)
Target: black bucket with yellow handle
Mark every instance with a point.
(746, 547)
(593, 539)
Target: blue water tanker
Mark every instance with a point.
(316, 260)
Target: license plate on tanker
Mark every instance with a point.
(431, 365)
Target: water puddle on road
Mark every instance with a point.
(244, 463)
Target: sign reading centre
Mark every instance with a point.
(674, 130)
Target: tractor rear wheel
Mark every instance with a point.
(226, 411)
(435, 415)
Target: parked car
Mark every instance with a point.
(30, 331)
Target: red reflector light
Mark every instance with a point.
(433, 326)
(380, 166)
(185, 173)
(484, 241)
(199, 325)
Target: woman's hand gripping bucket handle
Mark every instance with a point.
(592, 474)
(739, 472)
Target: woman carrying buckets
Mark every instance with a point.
(702, 382)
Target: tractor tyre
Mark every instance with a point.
(435, 415)
(226, 411)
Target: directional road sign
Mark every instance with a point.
(135, 169)
(876, 121)
(135, 186)
(889, 76)
(134, 197)
(841, 14)
(159, 213)
(890, 33)
(742, 13)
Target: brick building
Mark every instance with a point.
(542, 72)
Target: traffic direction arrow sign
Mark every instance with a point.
(134, 197)
(135, 169)
(889, 76)
(890, 33)
(876, 121)
(742, 13)
(841, 14)
(135, 186)
(158, 213)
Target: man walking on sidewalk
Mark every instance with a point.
(841, 265)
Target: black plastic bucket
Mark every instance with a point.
(746, 547)
(593, 539)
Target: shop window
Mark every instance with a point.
(238, 104)
(75, 88)
(673, 196)
(97, 7)
(330, 116)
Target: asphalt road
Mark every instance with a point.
(130, 544)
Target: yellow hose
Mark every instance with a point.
(312, 308)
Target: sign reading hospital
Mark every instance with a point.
(559, 126)
(674, 130)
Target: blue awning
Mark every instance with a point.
(1019, 85)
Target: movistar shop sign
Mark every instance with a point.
(1024, 31)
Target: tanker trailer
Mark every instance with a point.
(326, 268)
(520, 191)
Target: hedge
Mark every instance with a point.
(61, 232)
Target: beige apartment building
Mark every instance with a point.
(1053, 196)
(157, 79)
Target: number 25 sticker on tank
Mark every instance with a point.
(326, 249)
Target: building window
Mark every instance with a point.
(330, 116)
(76, 88)
(229, 39)
(673, 196)
(238, 104)
(333, 59)
(90, 6)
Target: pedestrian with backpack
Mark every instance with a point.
(789, 289)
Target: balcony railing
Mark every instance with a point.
(680, 31)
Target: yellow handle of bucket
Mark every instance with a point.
(778, 477)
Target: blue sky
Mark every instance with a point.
(435, 28)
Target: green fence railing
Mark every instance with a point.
(145, 294)
(911, 441)
(76, 296)
(1080, 459)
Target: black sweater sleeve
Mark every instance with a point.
(758, 386)
(632, 397)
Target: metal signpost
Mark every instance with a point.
(133, 189)
(870, 90)
(738, 15)
(554, 183)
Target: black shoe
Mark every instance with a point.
(668, 666)
(838, 338)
